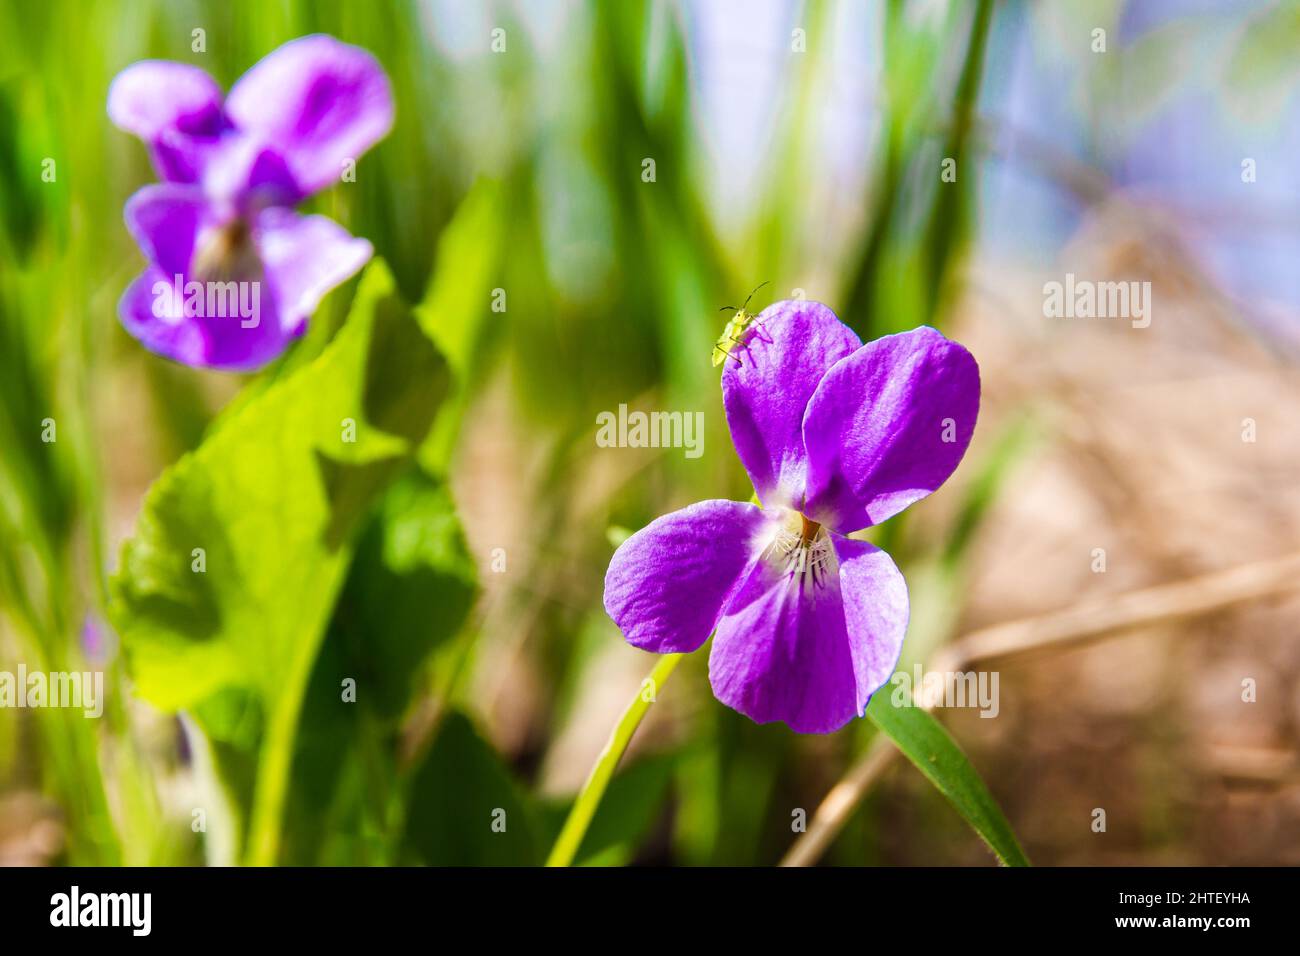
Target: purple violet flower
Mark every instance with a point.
(97, 640)
(836, 436)
(220, 229)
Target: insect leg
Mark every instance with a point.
(739, 343)
(728, 354)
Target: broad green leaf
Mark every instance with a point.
(409, 589)
(923, 741)
(271, 498)
(464, 807)
(226, 589)
(460, 295)
(459, 300)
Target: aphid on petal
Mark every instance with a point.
(737, 330)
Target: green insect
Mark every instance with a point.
(736, 333)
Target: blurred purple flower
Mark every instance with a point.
(97, 641)
(836, 436)
(232, 171)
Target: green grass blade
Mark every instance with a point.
(923, 741)
(585, 806)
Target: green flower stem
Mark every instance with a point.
(584, 808)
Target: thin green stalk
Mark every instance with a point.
(584, 808)
(275, 765)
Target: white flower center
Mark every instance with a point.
(802, 551)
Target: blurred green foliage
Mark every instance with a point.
(520, 172)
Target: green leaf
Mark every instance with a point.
(270, 498)
(273, 498)
(923, 741)
(409, 589)
(459, 298)
(464, 807)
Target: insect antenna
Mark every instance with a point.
(751, 295)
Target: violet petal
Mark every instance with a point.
(246, 176)
(209, 341)
(667, 584)
(304, 258)
(175, 338)
(876, 611)
(320, 101)
(811, 656)
(766, 389)
(165, 220)
(782, 653)
(887, 426)
(175, 108)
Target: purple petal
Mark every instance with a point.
(887, 426)
(152, 96)
(320, 102)
(304, 258)
(767, 387)
(782, 653)
(165, 220)
(98, 642)
(667, 584)
(811, 655)
(233, 349)
(174, 107)
(876, 610)
(219, 342)
(247, 175)
(171, 336)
